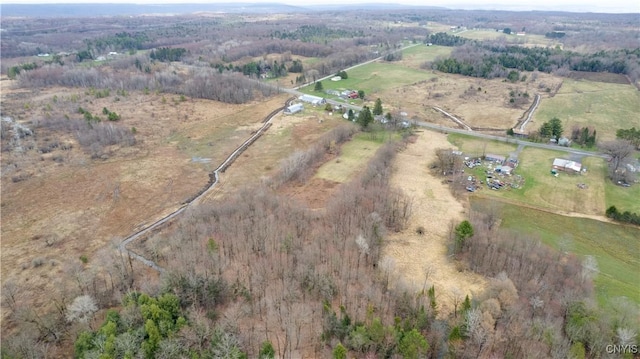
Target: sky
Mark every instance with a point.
(627, 6)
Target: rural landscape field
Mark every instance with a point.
(278, 181)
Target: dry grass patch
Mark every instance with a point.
(78, 205)
(478, 102)
(434, 208)
(354, 155)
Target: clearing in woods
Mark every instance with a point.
(354, 155)
(434, 208)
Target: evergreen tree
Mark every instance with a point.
(377, 108)
(365, 117)
(318, 87)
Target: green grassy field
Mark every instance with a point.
(417, 55)
(354, 155)
(372, 78)
(605, 106)
(624, 198)
(475, 147)
(559, 193)
(615, 247)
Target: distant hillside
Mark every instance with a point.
(79, 10)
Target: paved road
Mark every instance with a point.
(516, 141)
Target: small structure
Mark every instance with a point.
(561, 164)
(336, 78)
(563, 141)
(504, 169)
(314, 100)
(494, 158)
(298, 107)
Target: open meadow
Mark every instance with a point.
(415, 56)
(59, 204)
(522, 40)
(615, 247)
(353, 157)
(604, 106)
(373, 78)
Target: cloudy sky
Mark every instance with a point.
(627, 6)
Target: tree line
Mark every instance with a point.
(489, 60)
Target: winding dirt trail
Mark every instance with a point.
(214, 180)
(434, 209)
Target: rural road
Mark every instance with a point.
(536, 102)
(471, 133)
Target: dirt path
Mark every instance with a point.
(434, 208)
(214, 180)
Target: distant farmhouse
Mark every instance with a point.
(294, 109)
(561, 164)
(314, 100)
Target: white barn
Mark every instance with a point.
(298, 107)
(314, 100)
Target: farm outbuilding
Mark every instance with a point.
(314, 100)
(561, 164)
(298, 107)
(494, 158)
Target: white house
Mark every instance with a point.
(567, 165)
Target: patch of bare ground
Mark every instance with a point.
(478, 102)
(71, 205)
(434, 209)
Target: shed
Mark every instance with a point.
(567, 165)
(504, 169)
(494, 158)
(298, 107)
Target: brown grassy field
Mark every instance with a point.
(478, 102)
(76, 205)
(434, 208)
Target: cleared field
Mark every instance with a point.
(433, 208)
(476, 147)
(615, 247)
(543, 190)
(354, 155)
(605, 106)
(77, 205)
(415, 56)
(374, 77)
(488, 34)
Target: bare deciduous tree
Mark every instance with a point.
(81, 309)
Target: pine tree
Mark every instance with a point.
(318, 87)
(365, 117)
(377, 108)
